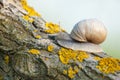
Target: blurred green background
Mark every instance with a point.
(68, 12)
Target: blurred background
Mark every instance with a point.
(68, 12)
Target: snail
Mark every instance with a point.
(85, 36)
(90, 30)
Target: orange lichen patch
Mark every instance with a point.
(50, 48)
(37, 36)
(6, 58)
(34, 51)
(30, 10)
(109, 65)
(52, 28)
(66, 55)
(97, 58)
(81, 56)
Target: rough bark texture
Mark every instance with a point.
(17, 36)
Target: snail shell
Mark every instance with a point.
(91, 30)
(85, 36)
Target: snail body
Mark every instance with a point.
(85, 36)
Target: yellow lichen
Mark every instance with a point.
(50, 48)
(52, 28)
(38, 37)
(76, 69)
(81, 56)
(109, 65)
(35, 30)
(71, 72)
(34, 51)
(46, 59)
(30, 10)
(63, 30)
(27, 18)
(64, 71)
(1, 77)
(6, 58)
(66, 55)
(97, 58)
(64, 60)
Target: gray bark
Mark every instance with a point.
(16, 40)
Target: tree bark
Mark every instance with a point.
(17, 37)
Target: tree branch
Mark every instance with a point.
(26, 56)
